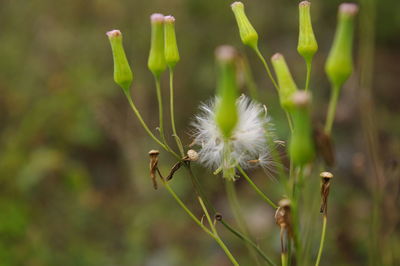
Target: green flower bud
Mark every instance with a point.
(226, 115)
(339, 65)
(301, 145)
(171, 48)
(248, 34)
(156, 62)
(307, 45)
(122, 72)
(287, 86)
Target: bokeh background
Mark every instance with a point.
(74, 182)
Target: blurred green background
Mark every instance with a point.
(74, 182)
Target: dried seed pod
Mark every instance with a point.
(153, 166)
(325, 187)
(283, 216)
(283, 219)
(173, 170)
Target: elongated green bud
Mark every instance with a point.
(247, 32)
(287, 86)
(171, 48)
(156, 62)
(226, 115)
(122, 71)
(301, 145)
(339, 65)
(307, 45)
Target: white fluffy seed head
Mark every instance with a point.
(248, 145)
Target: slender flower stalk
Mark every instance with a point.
(156, 62)
(123, 77)
(322, 241)
(200, 192)
(212, 232)
(172, 58)
(172, 112)
(215, 233)
(238, 215)
(254, 186)
(146, 128)
(249, 36)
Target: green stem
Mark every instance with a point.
(254, 186)
(238, 215)
(146, 128)
(160, 109)
(171, 95)
(289, 252)
(289, 119)
(200, 192)
(331, 110)
(295, 205)
(248, 241)
(268, 70)
(308, 64)
(249, 79)
(264, 62)
(321, 244)
(284, 259)
(198, 222)
(216, 236)
(186, 209)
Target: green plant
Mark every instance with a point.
(234, 133)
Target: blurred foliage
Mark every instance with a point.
(74, 185)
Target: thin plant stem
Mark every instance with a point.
(269, 73)
(146, 128)
(216, 236)
(331, 110)
(200, 192)
(186, 209)
(198, 222)
(289, 119)
(284, 259)
(321, 244)
(254, 186)
(160, 108)
(171, 98)
(289, 252)
(248, 241)
(264, 62)
(308, 77)
(238, 215)
(249, 79)
(295, 204)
